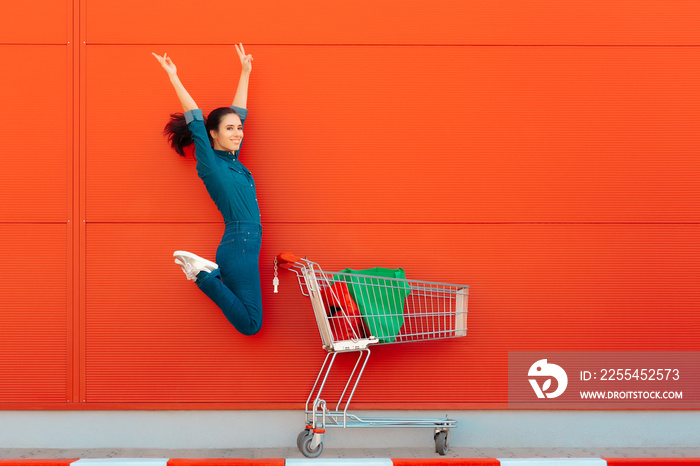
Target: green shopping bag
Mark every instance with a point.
(379, 297)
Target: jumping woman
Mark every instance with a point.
(233, 282)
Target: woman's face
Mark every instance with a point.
(230, 133)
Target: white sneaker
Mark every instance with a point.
(192, 264)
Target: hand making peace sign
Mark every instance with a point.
(246, 60)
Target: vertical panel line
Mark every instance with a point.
(79, 229)
(72, 128)
(71, 231)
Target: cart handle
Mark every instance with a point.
(286, 260)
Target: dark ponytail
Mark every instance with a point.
(179, 134)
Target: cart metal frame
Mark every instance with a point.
(433, 311)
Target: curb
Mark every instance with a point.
(65, 462)
(358, 461)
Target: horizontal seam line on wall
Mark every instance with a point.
(63, 44)
(393, 45)
(394, 223)
(20, 222)
(179, 44)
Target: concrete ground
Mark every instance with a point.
(252, 453)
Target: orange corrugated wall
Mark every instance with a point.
(543, 152)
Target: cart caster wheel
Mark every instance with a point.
(300, 438)
(306, 446)
(441, 443)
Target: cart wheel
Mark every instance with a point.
(300, 438)
(441, 446)
(306, 447)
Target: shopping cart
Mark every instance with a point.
(355, 311)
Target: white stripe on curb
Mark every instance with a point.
(552, 462)
(339, 461)
(121, 462)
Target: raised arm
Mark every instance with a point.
(241, 98)
(186, 99)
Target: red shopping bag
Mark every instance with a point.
(343, 314)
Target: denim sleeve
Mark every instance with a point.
(243, 113)
(203, 151)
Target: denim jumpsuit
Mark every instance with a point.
(235, 285)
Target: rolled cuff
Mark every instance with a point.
(242, 112)
(193, 115)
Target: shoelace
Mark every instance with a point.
(190, 271)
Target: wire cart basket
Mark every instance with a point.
(355, 311)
